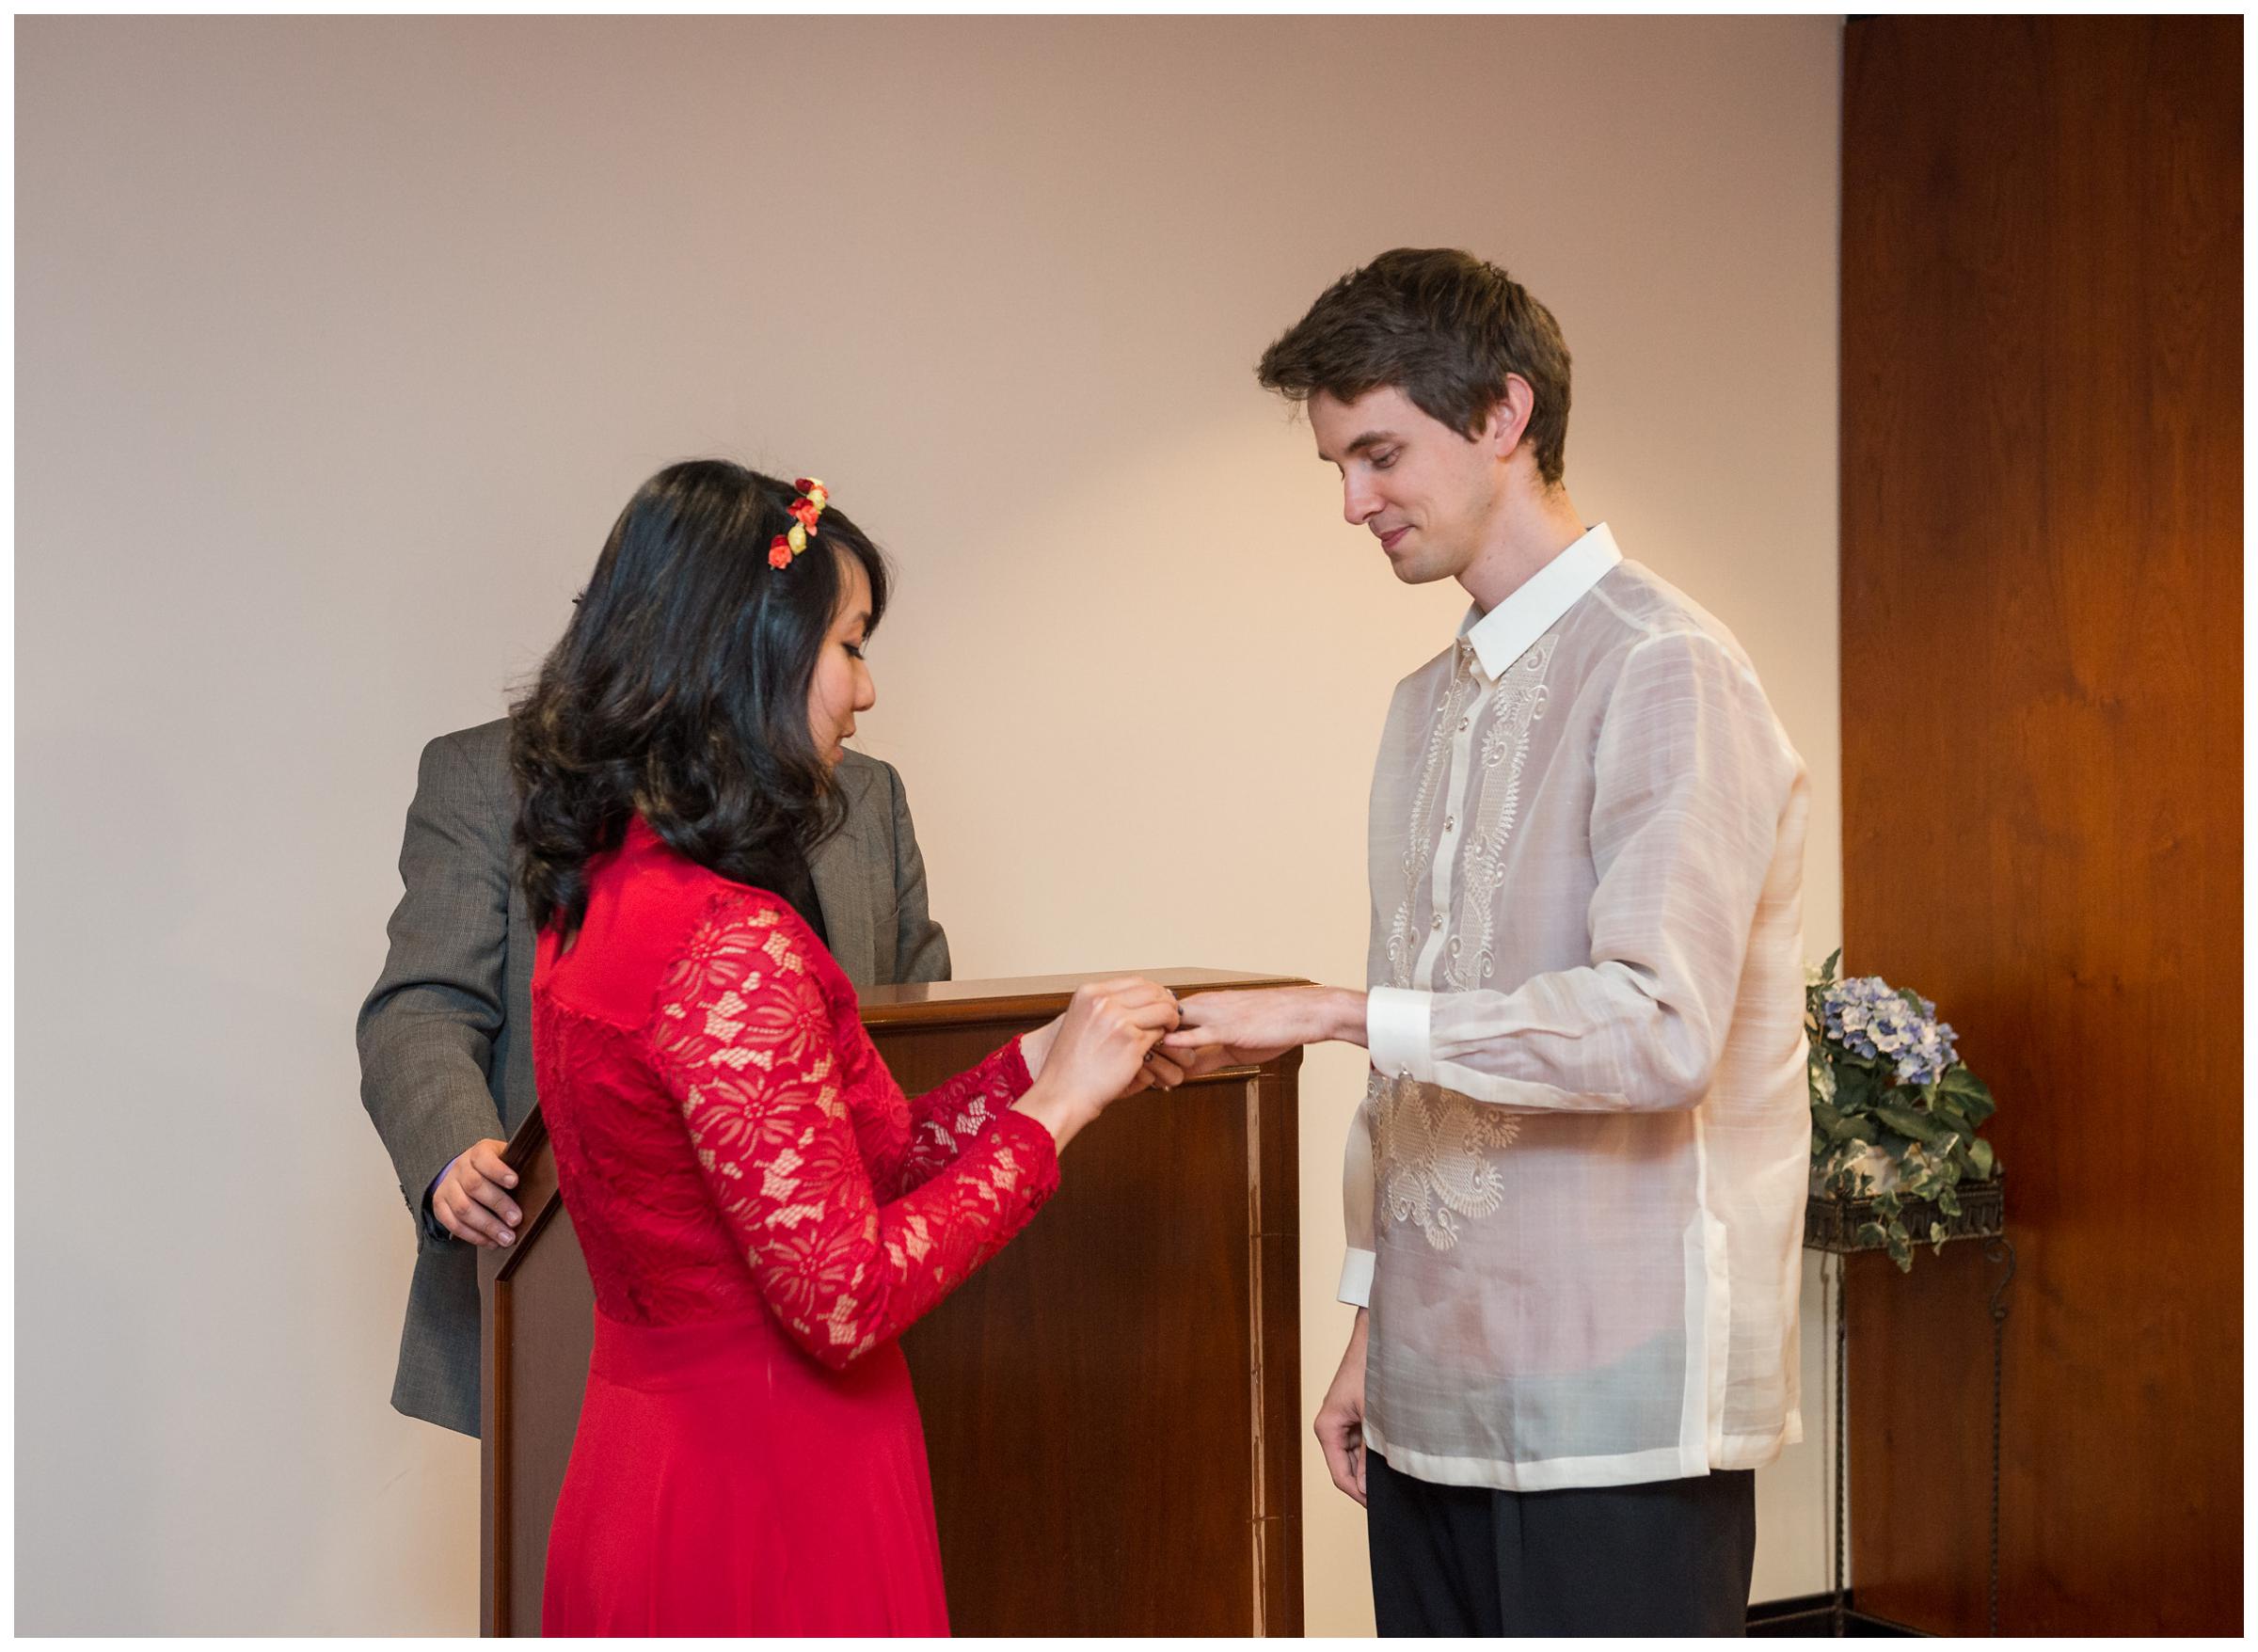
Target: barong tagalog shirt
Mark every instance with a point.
(1575, 1187)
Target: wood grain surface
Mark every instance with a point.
(2041, 686)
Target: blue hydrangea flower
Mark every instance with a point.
(1866, 1016)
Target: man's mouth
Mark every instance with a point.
(1393, 537)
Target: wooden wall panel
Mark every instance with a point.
(2042, 618)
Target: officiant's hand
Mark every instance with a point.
(470, 1200)
(1096, 1053)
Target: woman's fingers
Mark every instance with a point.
(1154, 1015)
(1165, 1072)
(1143, 1002)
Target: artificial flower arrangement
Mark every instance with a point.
(1894, 1113)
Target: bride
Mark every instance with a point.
(762, 1210)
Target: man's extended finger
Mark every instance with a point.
(1188, 1039)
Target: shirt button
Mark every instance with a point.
(1438, 923)
(1463, 721)
(1449, 823)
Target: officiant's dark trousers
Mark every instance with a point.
(1670, 1558)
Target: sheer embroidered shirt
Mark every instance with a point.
(1575, 1187)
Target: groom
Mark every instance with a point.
(1575, 1183)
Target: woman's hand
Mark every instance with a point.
(1095, 1053)
(1156, 1071)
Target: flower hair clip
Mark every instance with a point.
(804, 510)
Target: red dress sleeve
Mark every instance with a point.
(949, 1119)
(743, 1037)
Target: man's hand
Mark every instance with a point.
(1248, 1028)
(1341, 1417)
(469, 1200)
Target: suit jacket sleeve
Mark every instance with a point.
(921, 950)
(427, 1027)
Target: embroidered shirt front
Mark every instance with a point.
(1574, 1190)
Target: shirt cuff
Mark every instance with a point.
(426, 1217)
(1356, 1279)
(1396, 1033)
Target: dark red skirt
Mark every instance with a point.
(724, 1483)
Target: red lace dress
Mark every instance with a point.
(763, 1213)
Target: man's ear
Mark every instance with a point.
(1509, 417)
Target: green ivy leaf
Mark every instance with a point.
(1969, 1094)
(1871, 1234)
(1980, 1158)
(1857, 1087)
(1911, 1122)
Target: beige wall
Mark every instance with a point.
(339, 344)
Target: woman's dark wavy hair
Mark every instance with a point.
(680, 690)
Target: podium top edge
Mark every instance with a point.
(1016, 997)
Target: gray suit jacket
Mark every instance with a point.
(446, 1046)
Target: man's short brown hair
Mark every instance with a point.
(1444, 327)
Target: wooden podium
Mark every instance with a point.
(1112, 1405)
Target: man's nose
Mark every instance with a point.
(1358, 503)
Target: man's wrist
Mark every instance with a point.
(1336, 1013)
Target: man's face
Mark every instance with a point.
(1427, 494)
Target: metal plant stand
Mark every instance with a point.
(1831, 1226)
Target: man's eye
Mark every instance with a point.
(1383, 461)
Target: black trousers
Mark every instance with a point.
(1670, 1558)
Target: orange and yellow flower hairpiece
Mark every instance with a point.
(804, 510)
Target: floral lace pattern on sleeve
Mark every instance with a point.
(947, 1120)
(745, 1039)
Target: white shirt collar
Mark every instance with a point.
(1505, 633)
